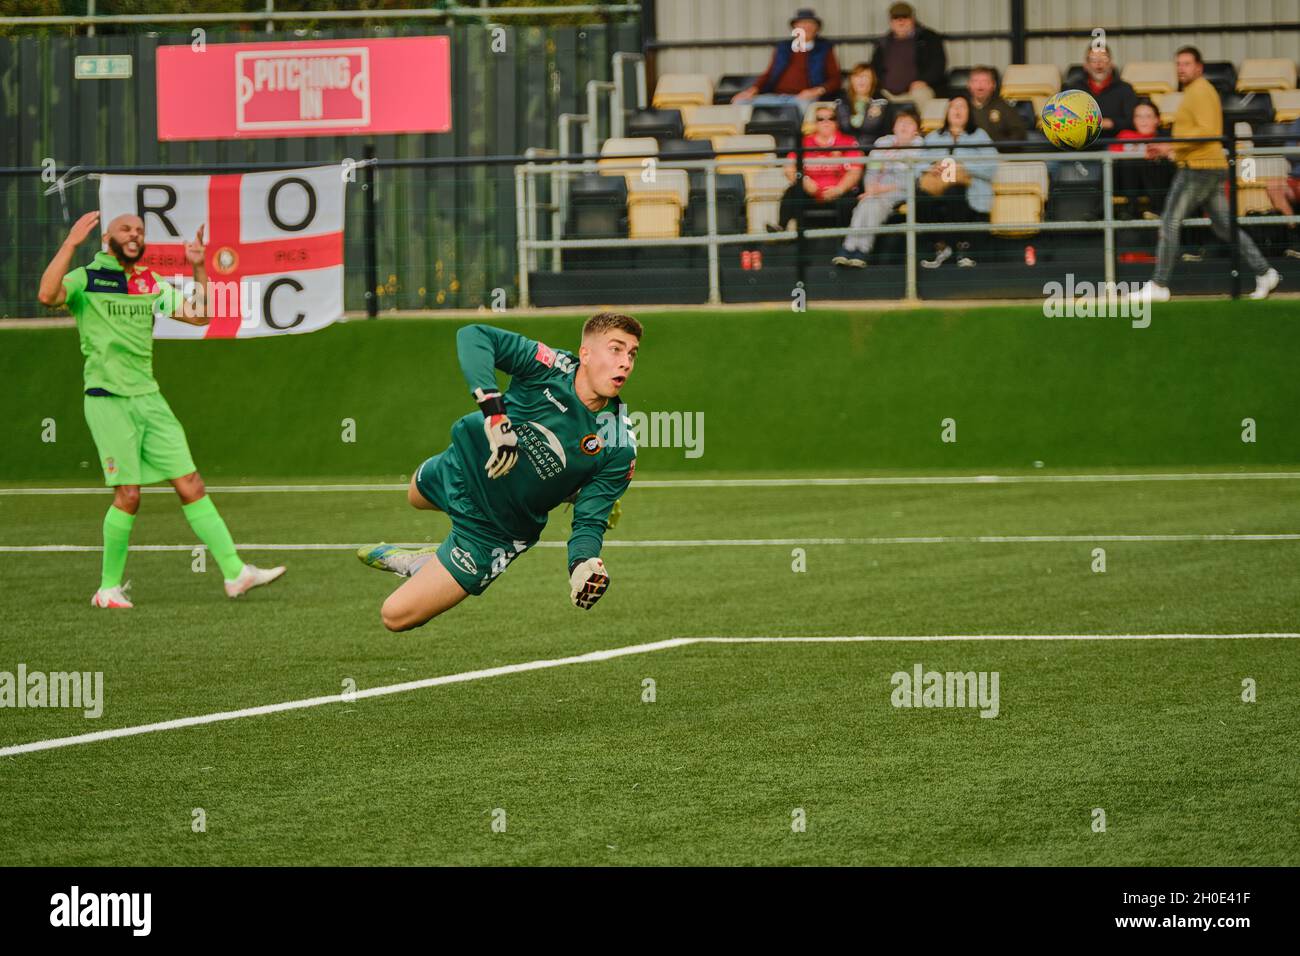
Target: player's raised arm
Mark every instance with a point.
(588, 578)
(52, 291)
(177, 306)
(481, 350)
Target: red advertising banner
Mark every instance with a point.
(308, 88)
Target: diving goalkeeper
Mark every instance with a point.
(497, 504)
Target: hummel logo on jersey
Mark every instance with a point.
(555, 401)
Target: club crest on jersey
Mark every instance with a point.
(545, 354)
(110, 466)
(591, 444)
(464, 560)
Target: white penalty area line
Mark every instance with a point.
(588, 658)
(721, 542)
(735, 482)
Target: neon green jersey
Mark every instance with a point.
(115, 312)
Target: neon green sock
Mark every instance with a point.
(211, 530)
(117, 538)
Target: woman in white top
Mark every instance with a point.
(885, 187)
(958, 185)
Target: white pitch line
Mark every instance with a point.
(736, 482)
(590, 657)
(722, 542)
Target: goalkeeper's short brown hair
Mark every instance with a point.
(604, 321)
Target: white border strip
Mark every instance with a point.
(718, 542)
(737, 482)
(591, 657)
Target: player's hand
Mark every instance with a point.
(502, 440)
(83, 227)
(587, 582)
(194, 250)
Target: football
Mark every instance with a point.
(1071, 119)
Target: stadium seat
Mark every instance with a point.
(707, 122)
(1253, 177)
(1286, 105)
(1249, 108)
(958, 79)
(729, 85)
(682, 91)
(782, 122)
(763, 192)
(597, 207)
(1149, 77)
(932, 114)
(727, 148)
(1273, 134)
(1025, 81)
(1019, 195)
(622, 155)
(1076, 192)
(1075, 75)
(661, 124)
(729, 193)
(1030, 110)
(689, 148)
(1167, 105)
(1262, 76)
(1222, 75)
(654, 210)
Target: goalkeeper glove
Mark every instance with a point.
(502, 440)
(587, 582)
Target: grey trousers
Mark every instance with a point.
(1191, 189)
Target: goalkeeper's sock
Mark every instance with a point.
(117, 539)
(212, 531)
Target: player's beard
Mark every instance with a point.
(116, 248)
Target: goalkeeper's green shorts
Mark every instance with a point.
(138, 437)
(475, 551)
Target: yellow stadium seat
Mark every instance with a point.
(933, 113)
(622, 155)
(1286, 105)
(763, 191)
(1017, 207)
(728, 148)
(654, 210)
(707, 122)
(1021, 179)
(1265, 75)
(1149, 77)
(1025, 81)
(683, 91)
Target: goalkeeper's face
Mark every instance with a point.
(608, 358)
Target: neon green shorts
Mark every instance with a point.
(475, 551)
(138, 437)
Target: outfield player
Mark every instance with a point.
(558, 417)
(114, 300)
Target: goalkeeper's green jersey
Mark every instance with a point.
(564, 447)
(115, 311)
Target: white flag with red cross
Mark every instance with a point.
(274, 245)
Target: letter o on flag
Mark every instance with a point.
(274, 194)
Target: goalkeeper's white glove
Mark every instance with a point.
(502, 440)
(587, 582)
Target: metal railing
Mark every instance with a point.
(561, 168)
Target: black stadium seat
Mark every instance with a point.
(731, 84)
(730, 193)
(783, 123)
(661, 124)
(1272, 134)
(958, 78)
(1250, 108)
(1076, 192)
(597, 207)
(1074, 76)
(1222, 76)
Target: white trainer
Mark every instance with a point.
(1153, 292)
(112, 597)
(1265, 284)
(252, 577)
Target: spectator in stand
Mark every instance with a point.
(993, 114)
(1114, 97)
(885, 187)
(824, 181)
(958, 185)
(861, 112)
(802, 69)
(1143, 183)
(909, 59)
(1199, 181)
(1284, 192)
